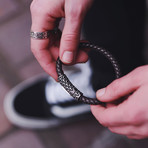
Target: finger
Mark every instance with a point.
(46, 55)
(104, 117)
(40, 48)
(82, 56)
(45, 59)
(125, 130)
(42, 17)
(137, 137)
(139, 131)
(119, 88)
(112, 116)
(71, 32)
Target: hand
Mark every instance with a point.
(46, 15)
(130, 117)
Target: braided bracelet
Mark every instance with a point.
(71, 89)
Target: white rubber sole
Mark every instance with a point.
(20, 120)
(36, 123)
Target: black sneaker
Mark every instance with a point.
(26, 106)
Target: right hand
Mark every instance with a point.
(46, 15)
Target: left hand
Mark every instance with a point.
(130, 117)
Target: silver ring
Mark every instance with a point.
(40, 35)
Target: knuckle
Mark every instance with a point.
(138, 69)
(136, 72)
(76, 13)
(134, 118)
(114, 87)
(70, 37)
(139, 73)
(70, 42)
(36, 8)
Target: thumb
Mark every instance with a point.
(118, 88)
(71, 36)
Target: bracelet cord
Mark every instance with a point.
(71, 89)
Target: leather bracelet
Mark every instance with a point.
(71, 89)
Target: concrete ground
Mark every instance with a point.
(17, 64)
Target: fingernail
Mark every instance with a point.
(67, 57)
(100, 92)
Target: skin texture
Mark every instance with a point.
(129, 117)
(46, 15)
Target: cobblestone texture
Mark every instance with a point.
(21, 139)
(81, 133)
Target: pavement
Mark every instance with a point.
(18, 64)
